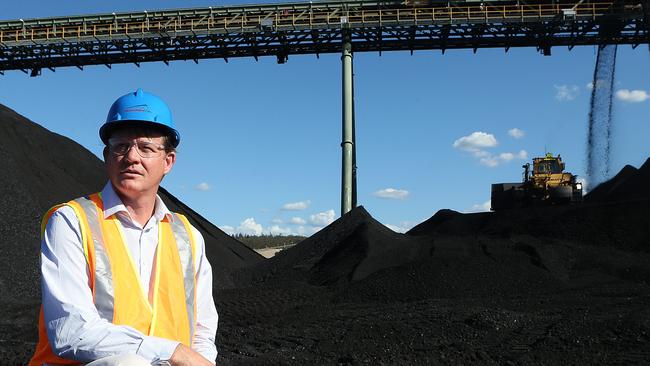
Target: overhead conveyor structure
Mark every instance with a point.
(346, 27)
(281, 30)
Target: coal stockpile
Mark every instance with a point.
(630, 184)
(550, 285)
(540, 286)
(41, 169)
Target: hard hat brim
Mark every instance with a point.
(109, 128)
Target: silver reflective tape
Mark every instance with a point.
(182, 238)
(104, 291)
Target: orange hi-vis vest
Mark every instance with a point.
(116, 288)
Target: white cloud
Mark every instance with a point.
(277, 221)
(277, 230)
(402, 227)
(493, 160)
(227, 229)
(392, 193)
(516, 133)
(203, 186)
(481, 207)
(249, 227)
(506, 156)
(481, 154)
(522, 154)
(565, 93)
(632, 96)
(322, 218)
(296, 206)
(297, 221)
(475, 141)
(489, 161)
(395, 228)
(301, 230)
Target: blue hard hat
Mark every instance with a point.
(140, 108)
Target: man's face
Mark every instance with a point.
(131, 174)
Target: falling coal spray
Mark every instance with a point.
(600, 116)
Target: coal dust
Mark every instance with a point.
(599, 140)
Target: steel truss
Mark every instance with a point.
(315, 28)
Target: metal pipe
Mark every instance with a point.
(347, 143)
(354, 146)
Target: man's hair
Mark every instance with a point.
(148, 130)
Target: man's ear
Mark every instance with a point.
(105, 153)
(170, 159)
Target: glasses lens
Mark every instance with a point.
(145, 149)
(148, 149)
(119, 147)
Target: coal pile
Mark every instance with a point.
(547, 285)
(42, 169)
(350, 249)
(540, 286)
(630, 184)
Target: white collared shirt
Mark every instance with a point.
(74, 327)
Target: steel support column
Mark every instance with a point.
(354, 146)
(347, 143)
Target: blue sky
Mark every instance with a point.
(260, 141)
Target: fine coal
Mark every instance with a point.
(599, 138)
(630, 184)
(550, 285)
(546, 285)
(554, 285)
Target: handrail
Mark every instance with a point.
(287, 18)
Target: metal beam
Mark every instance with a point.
(281, 30)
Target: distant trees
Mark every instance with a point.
(268, 241)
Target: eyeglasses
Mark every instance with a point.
(145, 149)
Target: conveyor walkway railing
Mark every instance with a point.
(248, 20)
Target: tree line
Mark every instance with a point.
(268, 241)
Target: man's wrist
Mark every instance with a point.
(156, 349)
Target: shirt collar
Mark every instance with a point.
(113, 204)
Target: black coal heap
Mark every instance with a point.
(351, 248)
(630, 184)
(545, 285)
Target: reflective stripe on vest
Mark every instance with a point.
(186, 251)
(112, 283)
(103, 278)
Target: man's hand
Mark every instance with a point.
(185, 356)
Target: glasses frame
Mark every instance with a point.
(113, 142)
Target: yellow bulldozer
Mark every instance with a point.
(546, 184)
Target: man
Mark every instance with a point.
(124, 280)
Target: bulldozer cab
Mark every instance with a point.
(548, 165)
(548, 184)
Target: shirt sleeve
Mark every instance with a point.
(74, 327)
(206, 312)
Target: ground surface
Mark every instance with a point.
(537, 286)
